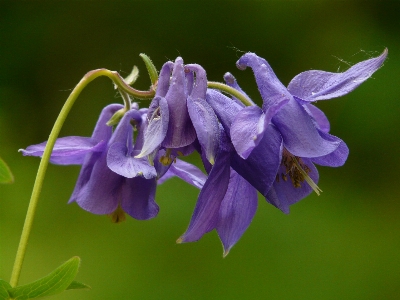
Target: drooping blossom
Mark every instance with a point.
(111, 180)
(178, 115)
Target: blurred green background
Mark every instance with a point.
(344, 244)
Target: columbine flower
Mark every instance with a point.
(179, 114)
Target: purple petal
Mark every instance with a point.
(206, 125)
(247, 130)
(185, 171)
(322, 122)
(283, 194)
(164, 79)
(271, 89)
(138, 198)
(126, 165)
(231, 81)
(223, 106)
(102, 131)
(180, 131)
(157, 127)
(319, 85)
(335, 159)
(300, 135)
(70, 150)
(205, 215)
(237, 210)
(260, 168)
(102, 192)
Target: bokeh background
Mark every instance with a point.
(344, 244)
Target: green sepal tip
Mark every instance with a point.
(150, 68)
(4, 287)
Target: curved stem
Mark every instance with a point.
(230, 90)
(37, 187)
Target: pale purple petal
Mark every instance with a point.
(335, 159)
(185, 171)
(103, 132)
(138, 198)
(206, 125)
(157, 127)
(300, 135)
(70, 150)
(164, 79)
(126, 165)
(247, 130)
(180, 131)
(271, 89)
(283, 194)
(319, 85)
(205, 215)
(237, 210)
(260, 168)
(322, 122)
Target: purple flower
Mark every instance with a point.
(179, 115)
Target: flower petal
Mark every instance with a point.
(185, 171)
(335, 159)
(283, 194)
(101, 193)
(231, 81)
(319, 85)
(157, 127)
(322, 122)
(260, 168)
(70, 150)
(247, 130)
(205, 215)
(164, 79)
(300, 135)
(138, 198)
(180, 131)
(237, 210)
(206, 125)
(271, 89)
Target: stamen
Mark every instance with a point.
(118, 215)
(167, 159)
(307, 178)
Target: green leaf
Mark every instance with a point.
(5, 174)
(54, 283)
(75, 285)
(4, 287)
(132, 76)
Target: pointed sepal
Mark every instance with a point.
(4, 287)
(5, 173)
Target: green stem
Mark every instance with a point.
(90, 76)
(230, 90)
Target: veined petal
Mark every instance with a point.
(283, 194)
(164, 79)
(102, 131)
(180, 131)
(205, 215)
(70, 150)
(205, 123)
(237, 210)
(271, 89)
(185, 171)
(101, 193)
(157, 127)
(335, 159)
(138, 198)
(260, 168)
(322, 122)
(300, 135)
(126, 165)
(223, 106)
(247, 130)
(319, 85)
